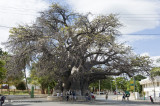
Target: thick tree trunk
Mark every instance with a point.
(42, 91)
(26, 79)
(85, 87)
(74, 81)
(77, 83)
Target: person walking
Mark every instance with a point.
(87, 96)
(106, 95)
(123, 97)
(127, 95)
(67, 96)
(2, 99)
(151, 99)
(92, 96)
(74, 95)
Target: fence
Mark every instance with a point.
(18, 92)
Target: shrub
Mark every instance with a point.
(21, 86)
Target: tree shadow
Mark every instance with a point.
(16, 104)
(112, 102)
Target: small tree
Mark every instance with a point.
(44, 81)
(105, 84)
(121, 83)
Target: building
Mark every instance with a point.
(151, 87)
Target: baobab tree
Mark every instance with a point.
(77, 49)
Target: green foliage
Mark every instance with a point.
(121, 83)
(44, 81)
(155, 72)
(15, 92)
(2, 70)
(21, 86)
(105, 84)
(2, 66)
(139, 77)
(1, 51)
(138, 87)
(33, 79)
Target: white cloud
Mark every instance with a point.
(14, 12)
(134, 38)
(136, 15)
(145, 54)
(155, 59)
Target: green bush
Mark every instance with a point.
(21, 86)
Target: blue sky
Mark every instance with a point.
(140, 18)
(151, 46)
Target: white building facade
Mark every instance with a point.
(151, 87)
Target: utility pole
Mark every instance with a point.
(99, 87)
(111, 85)
(134, 87)
(116, 87)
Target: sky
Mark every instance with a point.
(140, 19)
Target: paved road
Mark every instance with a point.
(96, 103)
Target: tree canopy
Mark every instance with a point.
(2, 66)
(76, 48)
(155, 72)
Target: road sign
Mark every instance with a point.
(131, 87)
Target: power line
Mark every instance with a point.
(158, 17)
(118, 14)
(120, 34)
(19, 9)
(5, 26)
(141, 34)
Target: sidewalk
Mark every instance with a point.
(27, 100)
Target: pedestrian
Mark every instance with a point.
(57, 94)
(106, 95)
(92, 96)
(67, 96)
(61, 96)
(127, 95)
(123, 97)
(2, 99)
(87, 96)
(115, 93)
(151, 99)
(74, 96)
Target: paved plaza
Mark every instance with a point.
(100, 101)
